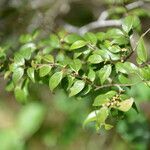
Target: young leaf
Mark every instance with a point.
(44, 70)
(104, 73)
(78, 44)
(55, 80)
(30, 72)
(95, 59)
(141, 51)
(76, 88)
(108, 126)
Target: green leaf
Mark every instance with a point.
(30, 119)
(18, 59)
(91, 117)
(76, 88)
(121, 41)
(54, 41)
(108, 126)
(70, 81)
(100, 36)
(25, 38)
(21, 94)
(130, 22)
(26, 53)
(28, 46)
(30, 73)
(104, 73)
(48, 58)
(142, 53)
(98, 115)
(125, 105)
(90, 37)
(123, 80)
(126, 67)
(55, 80)
(114, 33)
(17, 74)
(103, 53)
(44, 70)
(145, 73)
(104, 98)
(115, 49)
(102, 116)
(95, 59)
(91, 75)
(76, 65)
(71, 38)
(100, 100)
(78, 44)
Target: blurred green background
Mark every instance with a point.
(53, 121)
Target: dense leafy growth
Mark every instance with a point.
(94, 64)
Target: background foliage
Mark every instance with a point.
(54, 121)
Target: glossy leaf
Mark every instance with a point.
(104, 73)
(71, 38)
(18, 59)
(76, 65)
(44, 70)
(99, 116)
(76, 88)
(78, 44)
(90, 37)
(17, 74)
(100, 100)
(55, 79)
(91, 75)
(95, 59)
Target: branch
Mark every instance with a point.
(116, 85)
(134, 5)
(101, 21)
